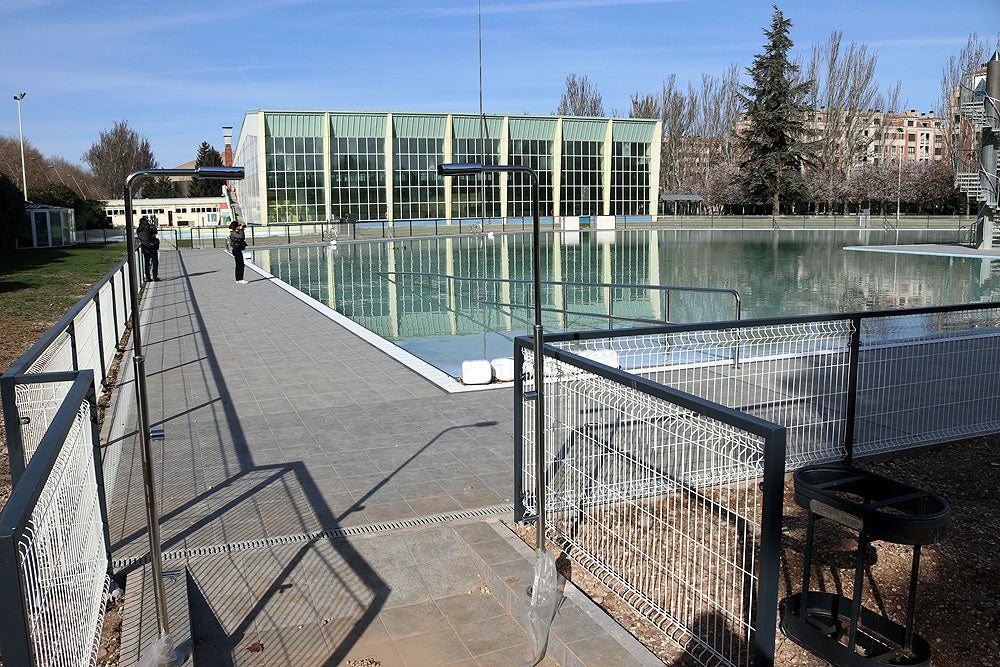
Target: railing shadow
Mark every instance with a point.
(251, 518)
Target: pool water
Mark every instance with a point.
(401, 290)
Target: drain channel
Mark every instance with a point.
(334, 533)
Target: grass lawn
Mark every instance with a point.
(39, 286)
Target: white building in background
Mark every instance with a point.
(172, 212)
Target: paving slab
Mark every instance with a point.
(327, 502)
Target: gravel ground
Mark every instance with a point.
(957, 610)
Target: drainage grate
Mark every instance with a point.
(334, 533)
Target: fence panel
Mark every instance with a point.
(78, 341)
(927, 377)
(659, 495)
(794, 374)
(86, 342)
(54, 547)
(644, 480)
(108, 326)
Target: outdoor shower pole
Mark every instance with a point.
(536, 256)
(141, 399)
(459, 169)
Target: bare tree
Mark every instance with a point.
(698, 126)
(678, 115)
(580, 98)
(117, 153)
(40, 169)
(645, 106)
(715, 111)
(844, 91)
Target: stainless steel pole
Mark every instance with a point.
(142, 409)
(141, 399)
(536, 255)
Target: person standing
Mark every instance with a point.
(237, 242)
(149, 244)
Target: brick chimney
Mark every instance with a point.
(227, 137)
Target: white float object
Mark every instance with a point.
(477, 371)
(503, 369)
(603, 356)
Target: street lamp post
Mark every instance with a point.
(20, 131)
(142, 404)
(458, 169)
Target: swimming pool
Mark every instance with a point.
(447, 299)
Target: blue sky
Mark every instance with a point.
(179, 70)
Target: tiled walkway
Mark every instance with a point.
(290, 445)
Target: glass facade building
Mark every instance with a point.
(317, 166)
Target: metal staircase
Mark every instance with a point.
(981, 113)
(234, 204)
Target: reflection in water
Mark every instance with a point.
(405, 291)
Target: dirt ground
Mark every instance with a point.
(957, 610)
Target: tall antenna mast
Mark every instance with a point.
(482, 121)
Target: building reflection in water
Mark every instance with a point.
(472, 293)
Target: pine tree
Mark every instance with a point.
(160, 188)
(773, 144)
(11, 213)
(200, 187)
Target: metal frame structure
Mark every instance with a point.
(665, 423)
(628, 455)
(55, 551)
(142, 403)
(537, 394)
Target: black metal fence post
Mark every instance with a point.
(15, 629)
(12, 425)
(71, 332)
(519, 509)
(100, 339)
(852, 389)
(95, 432)
(768, 575)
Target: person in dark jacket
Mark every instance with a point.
(237, 242)
(149, 244)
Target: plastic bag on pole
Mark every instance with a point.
(545, 597)
(158, 654)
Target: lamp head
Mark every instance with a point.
(460, 169)
(19, 97)
(225, 173)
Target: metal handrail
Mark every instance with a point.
(666, 290)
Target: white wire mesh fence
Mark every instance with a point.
(659, 497)
(927, 377)
(54, 550)
(85, 338)
(657, 494)
(842, 385)
(792, 374)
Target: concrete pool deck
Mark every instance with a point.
(942, 249)
(320, 502)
